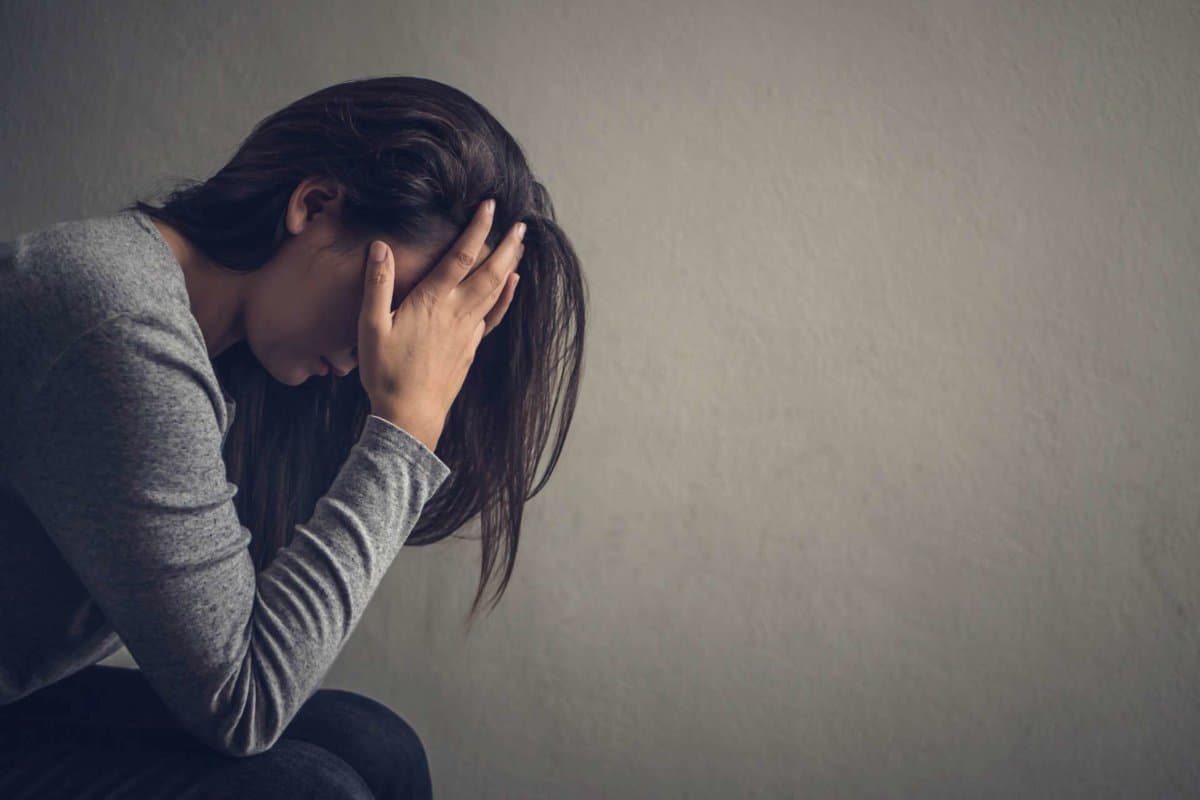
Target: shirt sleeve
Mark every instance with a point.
(121, 462)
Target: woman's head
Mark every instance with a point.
(302, 305)
(406, 160)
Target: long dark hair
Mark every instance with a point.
(415, 158)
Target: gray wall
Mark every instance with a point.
(884, 477)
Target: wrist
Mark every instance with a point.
(420, 427)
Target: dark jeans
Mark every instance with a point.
(103, 733)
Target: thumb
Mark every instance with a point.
(378, 286)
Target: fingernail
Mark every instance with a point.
(520, 231)
(378, 252)
(489, 206)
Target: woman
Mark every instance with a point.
(221, 420)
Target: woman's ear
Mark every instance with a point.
(313, 196)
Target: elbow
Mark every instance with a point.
(235, 736)
(243, 751)
(239, 746)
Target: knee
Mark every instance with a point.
(289, 769)
(380, 744)
(367, 718)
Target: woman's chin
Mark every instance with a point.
(298, 373)
(295, 376)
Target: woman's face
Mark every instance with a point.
(306, 299)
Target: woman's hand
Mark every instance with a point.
(412, 362)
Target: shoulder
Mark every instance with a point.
(130, 390)
(74, 279)
(86, 270)
(138, 360)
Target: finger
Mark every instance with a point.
(501, 308)
(461, 257)
(501, 287)
(378, 286)
(479, 290)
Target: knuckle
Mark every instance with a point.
(377, 276)
(463, 258)
(425, 297)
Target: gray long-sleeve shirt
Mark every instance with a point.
(117, 523)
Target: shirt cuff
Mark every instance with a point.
(407, 445)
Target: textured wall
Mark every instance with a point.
(884, 477)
